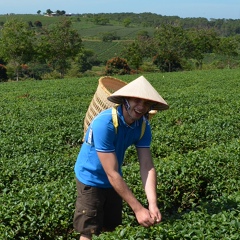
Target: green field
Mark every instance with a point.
(105, 50)
(91, 33)
(195, 148)
(86, 28)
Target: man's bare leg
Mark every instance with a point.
(84, 238)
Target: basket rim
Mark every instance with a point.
(100, 81)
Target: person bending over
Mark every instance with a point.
(100, 184)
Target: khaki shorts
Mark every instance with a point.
(97, 209)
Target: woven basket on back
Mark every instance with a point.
(106, 86)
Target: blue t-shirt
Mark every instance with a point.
(101, 136)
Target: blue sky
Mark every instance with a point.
(228, 9)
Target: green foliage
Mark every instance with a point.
(16, 44)
(172, 46)
(217, 219)
(24, 47)
(228, 47)
(100, 20)
(126, 22)
(225, 27)
(183, 44)
(105, 50)
(49, 11)
(109, 37)
(51, 75)
(117, 66)
(83, 59)
(143, 34)
(58, 45)
(147, 67)
(134, 55)
(203, 41)
(195, 149)
(38, 24)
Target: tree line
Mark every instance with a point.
(173, 48)
(33, 52)
(223, 27)
(56, 50)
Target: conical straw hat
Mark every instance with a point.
(139, 88)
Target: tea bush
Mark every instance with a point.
(195, 149)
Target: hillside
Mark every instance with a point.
(91, 26)
(91, 33)
(105, 36)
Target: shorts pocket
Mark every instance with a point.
(88, 212)
(85, 221)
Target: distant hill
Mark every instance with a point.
(125, 27)
(90, 25)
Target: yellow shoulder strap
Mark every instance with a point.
(143, 128)
(115, 117)
(115, 121)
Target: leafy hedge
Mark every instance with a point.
(195, 149)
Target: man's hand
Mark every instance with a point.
(144, 218)
(155, 214)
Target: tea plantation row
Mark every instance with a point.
(195, 148)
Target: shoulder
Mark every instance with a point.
(103, 116)
(103, 120)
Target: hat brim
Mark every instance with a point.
(159, 106)
(139, 88)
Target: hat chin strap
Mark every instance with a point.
(127, 107)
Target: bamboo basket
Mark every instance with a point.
(106, 86)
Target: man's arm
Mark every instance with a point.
(149, 180)
(110, 165)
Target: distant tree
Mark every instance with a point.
(109, 36)
(16, 44)
(147, 45)
(38, 12)
(143, 34)
(228, 47)
(81, 63)
(126, 22)
(167, 64)
(84, 60)
(133, 54)
(117, 66)
(49, 11)
(100, 20)
(202, 41)
(172, 46)
(58, 45)
(60, 13)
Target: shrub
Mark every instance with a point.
(117, 66)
